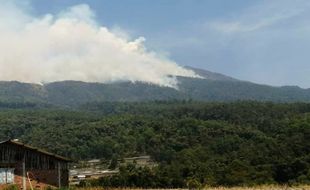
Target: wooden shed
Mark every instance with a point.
(31, 168)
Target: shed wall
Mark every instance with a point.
(41, 166)
(40, 179)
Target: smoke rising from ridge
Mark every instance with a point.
(72, 46)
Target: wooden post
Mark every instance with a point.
(59, 175)
(24, 173)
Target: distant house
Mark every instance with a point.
(29, 167)
(76, 176)
(140, 161)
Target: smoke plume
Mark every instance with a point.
(71, 45)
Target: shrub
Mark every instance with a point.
(12, 187)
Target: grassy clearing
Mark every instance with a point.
(220, 188)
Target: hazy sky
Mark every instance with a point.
(264, 41)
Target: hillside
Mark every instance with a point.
(213, 87)
(217, 144)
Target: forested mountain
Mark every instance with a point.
(213, 87)
(194, 141)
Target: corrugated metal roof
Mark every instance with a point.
(37, 150)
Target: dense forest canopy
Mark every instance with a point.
(240, 143)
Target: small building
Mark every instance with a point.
(31, 168)
(76, 176)
(140, 161)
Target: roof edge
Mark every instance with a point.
(58, 157)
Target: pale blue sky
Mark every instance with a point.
(264, 41)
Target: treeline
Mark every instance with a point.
(22, 105)
(194, 143)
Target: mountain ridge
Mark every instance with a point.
(212, 87)
(211, 75)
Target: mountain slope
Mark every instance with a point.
(211, 75)
(73, 92)
(213, 87)
(21, 92)
(208, 90)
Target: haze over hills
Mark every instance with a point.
(212, 87)
(211, 75)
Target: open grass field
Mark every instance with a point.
(222, 188)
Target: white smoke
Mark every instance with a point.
(72, 46)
